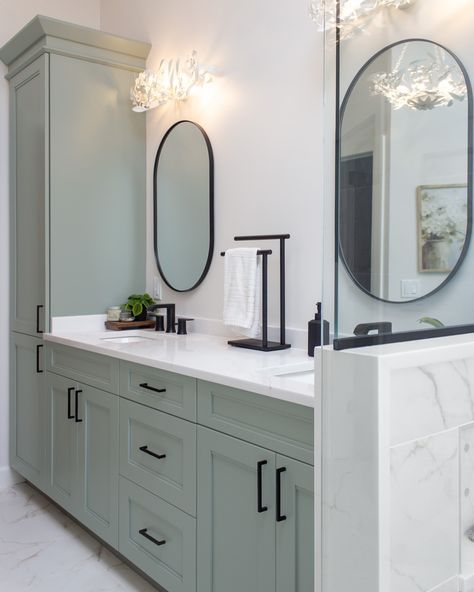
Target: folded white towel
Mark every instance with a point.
(243, 291)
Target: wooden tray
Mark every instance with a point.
(124, 325)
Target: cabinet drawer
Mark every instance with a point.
(173, 477)
(170, 559)
(284, 427)
(166, 391)
(90, 368)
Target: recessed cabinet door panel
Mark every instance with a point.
(62, 444)
(236, 543)
(27, 407)
(98, 461)
(295, 533)
(28, 103)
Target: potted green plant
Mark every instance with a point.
(138, 304)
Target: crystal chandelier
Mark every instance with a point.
(353, 14)
(422, 86)
(174, 81)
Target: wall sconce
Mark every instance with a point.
(349, 15)
(175, 81)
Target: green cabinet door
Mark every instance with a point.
(295, 529)
(61, 454)
(236, 542)
(28, 141)
(98, 449)
(27, 413)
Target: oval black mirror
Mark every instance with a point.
(405, 172)
(183, 193)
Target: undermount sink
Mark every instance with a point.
(127, 339)
(303, 372)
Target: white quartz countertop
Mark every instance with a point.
(287, 375)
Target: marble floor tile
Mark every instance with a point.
(43, 550)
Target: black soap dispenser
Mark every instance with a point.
(316, 332)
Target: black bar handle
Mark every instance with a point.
(38, 307)
(76, 419)
(144, 533)
(260, 507)
(151, 453)
(279, 516)
(38, 369)
(145, 385)
(69, 393)
(262, 237)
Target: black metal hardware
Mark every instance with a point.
(145, 385)
(182, 328)
(279, 516)
(146, 451)
(144, 533)
(260, 507)
(366, 328)
(69, 393)
(38, 369)
(76, 406)
(263, 344)
(159, 323)
(38, 308)
(403, 336)
(170, 316)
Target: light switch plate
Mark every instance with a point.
(410, 288)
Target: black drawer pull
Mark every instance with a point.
(144, 532)
(260, 507)
(38, 308)
(145, 385)
(279, 516)
(146, 451)
(76, 419)
(38, 369)
(69, 393)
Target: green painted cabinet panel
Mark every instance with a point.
(98, 451)
(97, 190)
(236, 549)
(278, 425)
(295, 534)
(27, 409)
(158, 538)
(166, 391)
(158, 452)
(28, 178)
(90, 368)
(61, 448)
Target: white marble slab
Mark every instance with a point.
(466, 452)
(205, 357)
(42, 550)
(424, 519)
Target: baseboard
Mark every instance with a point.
(9, 477)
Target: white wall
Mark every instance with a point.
(13, 16)
(264, 119)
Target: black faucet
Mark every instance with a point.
(170, 316)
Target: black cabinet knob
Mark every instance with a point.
(182, 327)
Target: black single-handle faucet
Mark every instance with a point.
(170, 316)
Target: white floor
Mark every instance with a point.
(42, 550)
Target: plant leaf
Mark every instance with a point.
(137, 309)
(433, 322)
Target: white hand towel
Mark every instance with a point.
(243, 291)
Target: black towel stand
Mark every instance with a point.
(263, 344)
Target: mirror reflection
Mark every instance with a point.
(183, 206)
(405, 172)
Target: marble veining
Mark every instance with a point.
(424, 513)
(43, 550)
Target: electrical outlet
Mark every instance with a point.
(157, 289)
(410, 288)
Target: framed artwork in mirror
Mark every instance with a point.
(442, 214)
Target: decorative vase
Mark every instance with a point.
(142, 315)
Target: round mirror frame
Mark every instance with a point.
(341, 112)
(211, 205)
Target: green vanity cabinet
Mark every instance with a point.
(255, 518)
(27, 410)
(82, 453)
(28, 177)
